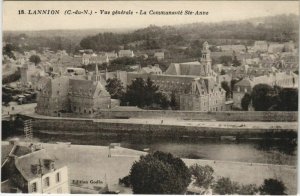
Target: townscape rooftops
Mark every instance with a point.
(268, 79)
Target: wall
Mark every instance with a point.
(194, 115)
(55, 187)
(90, 127)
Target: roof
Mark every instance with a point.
(128, 52)
(16, 150)
(88, 88)
(23, 163)
(125, 108)
(152, 69)
(189, 68)
(232, 47)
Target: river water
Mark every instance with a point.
(254, 151)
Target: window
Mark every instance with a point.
(46, 182)
(33, 187)
(57, 177)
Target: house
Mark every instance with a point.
(29, 169)
(260, 46)
(275, 48)
(111, 55)
(231, 48)
(94, 59)
(282, 79)
(28, 72)
(151, 70)
(159, 55)
(126, 53)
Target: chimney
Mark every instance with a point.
(34, 169)
(49, 164)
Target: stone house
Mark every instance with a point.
(31, 170)
(282, 79)
(126, 53)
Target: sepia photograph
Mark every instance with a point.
(150, 97)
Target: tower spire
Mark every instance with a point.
(97, 75)
(205, 59)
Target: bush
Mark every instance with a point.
(226, 186)
(202, 174)
(125, 181)
(272, 187)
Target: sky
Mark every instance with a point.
(218, 11)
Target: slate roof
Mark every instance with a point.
(189, 68)
(23, 163)
(87, 88)
(17, 151)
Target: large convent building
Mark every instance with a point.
(193, 83)
(78, 94)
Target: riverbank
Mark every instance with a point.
(88, 163)
(163, 127)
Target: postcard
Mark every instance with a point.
(150, 97)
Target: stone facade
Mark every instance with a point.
(203, 97)
(193, 83)
(73, 94)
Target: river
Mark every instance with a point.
(282, 152)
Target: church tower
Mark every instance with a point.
(205, 59)
(97, 75)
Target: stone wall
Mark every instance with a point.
(194, 115)
(92, 127)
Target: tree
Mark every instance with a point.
(115, 88)
(223, 72)
(225, 186)
(159, 173)
(246, 101)
(287, 100)
(261, 97)
(135, 95)
(226, 87)
(272, 187)
(144, 95)
(225, 60)
(203, 175)
(249, 189)
(235, 61)
(8, 50)
(173, 103)
(35, 59)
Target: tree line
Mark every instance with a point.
(162, 173)
(267, 98)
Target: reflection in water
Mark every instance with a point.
(258, 151)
